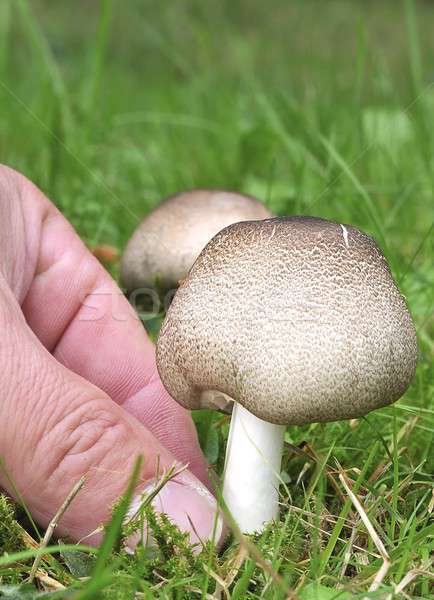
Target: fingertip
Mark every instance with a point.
(187, 504)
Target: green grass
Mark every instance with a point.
(317, 108)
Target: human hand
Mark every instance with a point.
(80, 392)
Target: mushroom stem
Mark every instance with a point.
(252, 470)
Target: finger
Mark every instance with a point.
(79, 314)
(56, 427)
(76, 309)
(168, 423)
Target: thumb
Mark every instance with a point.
(55, 427)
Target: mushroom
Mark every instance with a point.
(290, 320)
(167, 242)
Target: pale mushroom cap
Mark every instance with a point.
(298, 319)
(167, 242)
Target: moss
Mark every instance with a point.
(11, 539)
(169, 557)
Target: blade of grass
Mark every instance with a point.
(372, 533)
(416, 253)
(315, 560)
(360, 61)
(327, 552)
(406, 552)
(98, 55)
(378, 436)
(295, 147)
(395, 487)
(101, 574)
(370, 208)
(19, 497)
(5, 23)
(419, 538)
(11, 559)
(42, 49)
(413, 45)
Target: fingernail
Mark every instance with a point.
(188, 504)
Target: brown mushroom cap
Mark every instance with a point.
(298, 319)
(167, 242)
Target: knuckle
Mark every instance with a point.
(79, 441)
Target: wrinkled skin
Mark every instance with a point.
(80, 393)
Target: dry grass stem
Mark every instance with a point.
(53, 524)
(373, 534)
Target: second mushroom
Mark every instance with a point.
(166, 243)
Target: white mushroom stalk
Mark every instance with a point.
(252, 470)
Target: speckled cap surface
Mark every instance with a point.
(296, 318)
(167, 242)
